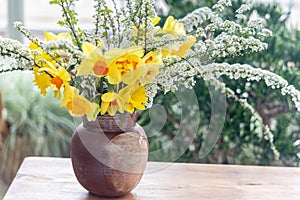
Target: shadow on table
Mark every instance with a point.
(89, 196)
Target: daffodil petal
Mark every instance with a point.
(88, 48)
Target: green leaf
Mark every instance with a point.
(53, 2)
(60, 22)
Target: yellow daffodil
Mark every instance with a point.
(146, 71)
(79, 105)
(49, 36)
(141, 29)
(50, 76)
(181, 51)
(42, 80)
(122, 62)
(134, 97)
(152, 62)
(94, 63)
(173, 27)
(111, 103)
(139, 98)
(45, 56)
(60, 76)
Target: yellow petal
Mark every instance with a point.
(139, 98)
(104, 107)
(114, 76)
(42, 80)
(33, 46)
(173, 27)
(78, 105)
(49, 36)
(64, 74)
(68, 95)
(155, 20)
(49, 67)
(85, 67)
(88, 48)
(187, 45)
(108, 97)
(112, 110)
(66, 36)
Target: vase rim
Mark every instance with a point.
(120, 122)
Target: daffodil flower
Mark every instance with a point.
(48, 37)
(42, 80)
(78, 105)
(122, 61)
(146, 71)
(95, 62)
(50, 76)
(173, 27)
(134, 97)
(111, 103)
(152, 62)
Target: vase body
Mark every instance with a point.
(109, 155)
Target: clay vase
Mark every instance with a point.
(109, 155)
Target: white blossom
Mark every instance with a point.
(243, 8)
(237, 71)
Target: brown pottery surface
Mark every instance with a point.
(109, 155)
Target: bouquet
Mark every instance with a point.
(128, 58)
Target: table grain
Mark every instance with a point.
(44, 178)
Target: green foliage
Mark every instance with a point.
(69, 17)
(241, 141)
(36, 124)
(282, 57)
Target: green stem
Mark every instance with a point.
(70, 25)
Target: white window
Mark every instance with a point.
(3, 16)
(39, 15)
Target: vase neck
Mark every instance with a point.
(118, 123)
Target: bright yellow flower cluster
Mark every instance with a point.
(47, 75)
(124, 73)
(126, 70)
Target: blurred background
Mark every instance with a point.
(34, 125)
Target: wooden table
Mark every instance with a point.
(52, 178)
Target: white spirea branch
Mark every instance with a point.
(238, 71)
(18, 53)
